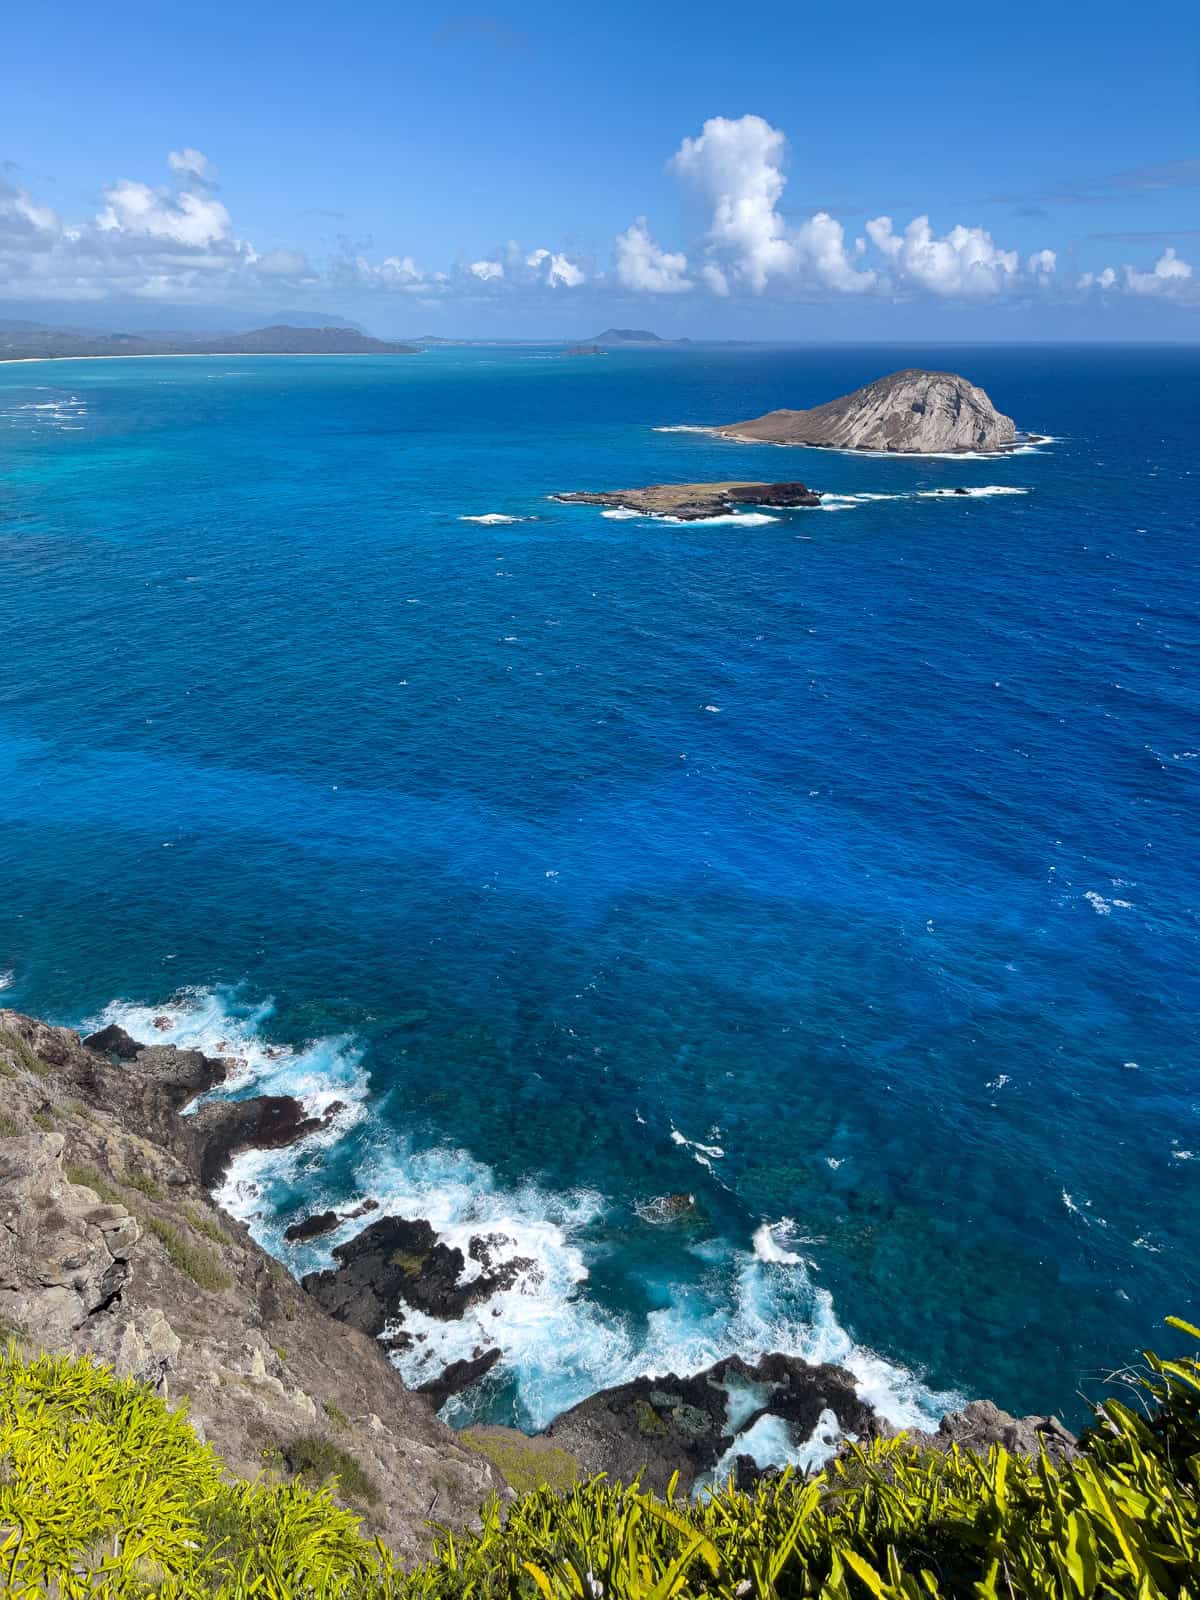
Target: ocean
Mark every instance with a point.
(836, 868)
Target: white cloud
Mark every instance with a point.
(564, 272)
(284, 264)
(647, 269)
(965, 263)
(191, 163)
(487, 271)
(715, 279)
(1042, 264)
(187, 218)
(1169, 277)
(736, 163)
(536, 257)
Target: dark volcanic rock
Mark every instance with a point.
(396, 1263)
(658, 1426)
(692, 502)
(224, 1128)
(320, 1223)
(113, 1041)
(459, 1375)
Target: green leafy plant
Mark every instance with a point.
(106, 1492)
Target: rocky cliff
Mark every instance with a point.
(110, 1247)
(909, 412)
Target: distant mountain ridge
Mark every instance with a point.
(612, 336)
(29, 342)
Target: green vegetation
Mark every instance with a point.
(144, 1184)
(21, 1053)
(199, 1263)
(9, 1127)
(522, 1462)
(318, 1460)
(203, 1225)
(42, 1120)
(104, 1492)
(408, 1261)
(89, 1178)
(335, 1414)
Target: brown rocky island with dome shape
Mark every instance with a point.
(913, 412)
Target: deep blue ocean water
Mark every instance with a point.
(840, 870)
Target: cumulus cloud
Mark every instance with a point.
(1170, 275)
(565, 273)
(737, 165)
(965, 263)
(1171, 278)
(646, 268)
(186, 218)
(192, 164)
(177, 240)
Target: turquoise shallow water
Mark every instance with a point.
(839, 870)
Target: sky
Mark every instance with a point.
(864, 171)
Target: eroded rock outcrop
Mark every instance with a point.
(110, 1247)
(909, 412)
(659, 1426)
(396, 1263)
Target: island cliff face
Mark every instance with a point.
(909, 412)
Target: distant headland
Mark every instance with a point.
(913, 412)
(32, 342)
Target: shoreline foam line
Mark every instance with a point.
(558, 1346)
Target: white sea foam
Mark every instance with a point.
(7, 978)
(767, 1245)
(211, 1020)
(558, 1346)
(976, 492)
(1101, 906)
(621, 514)
(743, 519)
(771, 1442)
(492, 518)
(685, 427)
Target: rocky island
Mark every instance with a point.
(913, 412)
(693, 502)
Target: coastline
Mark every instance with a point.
(212, 355)
(1025, 444)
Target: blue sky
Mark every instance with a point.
(867, 171)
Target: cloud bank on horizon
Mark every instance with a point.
(177, 243)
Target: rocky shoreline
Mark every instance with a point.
(694, 502)
(112, 1246)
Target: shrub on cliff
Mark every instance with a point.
(103, 1491)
